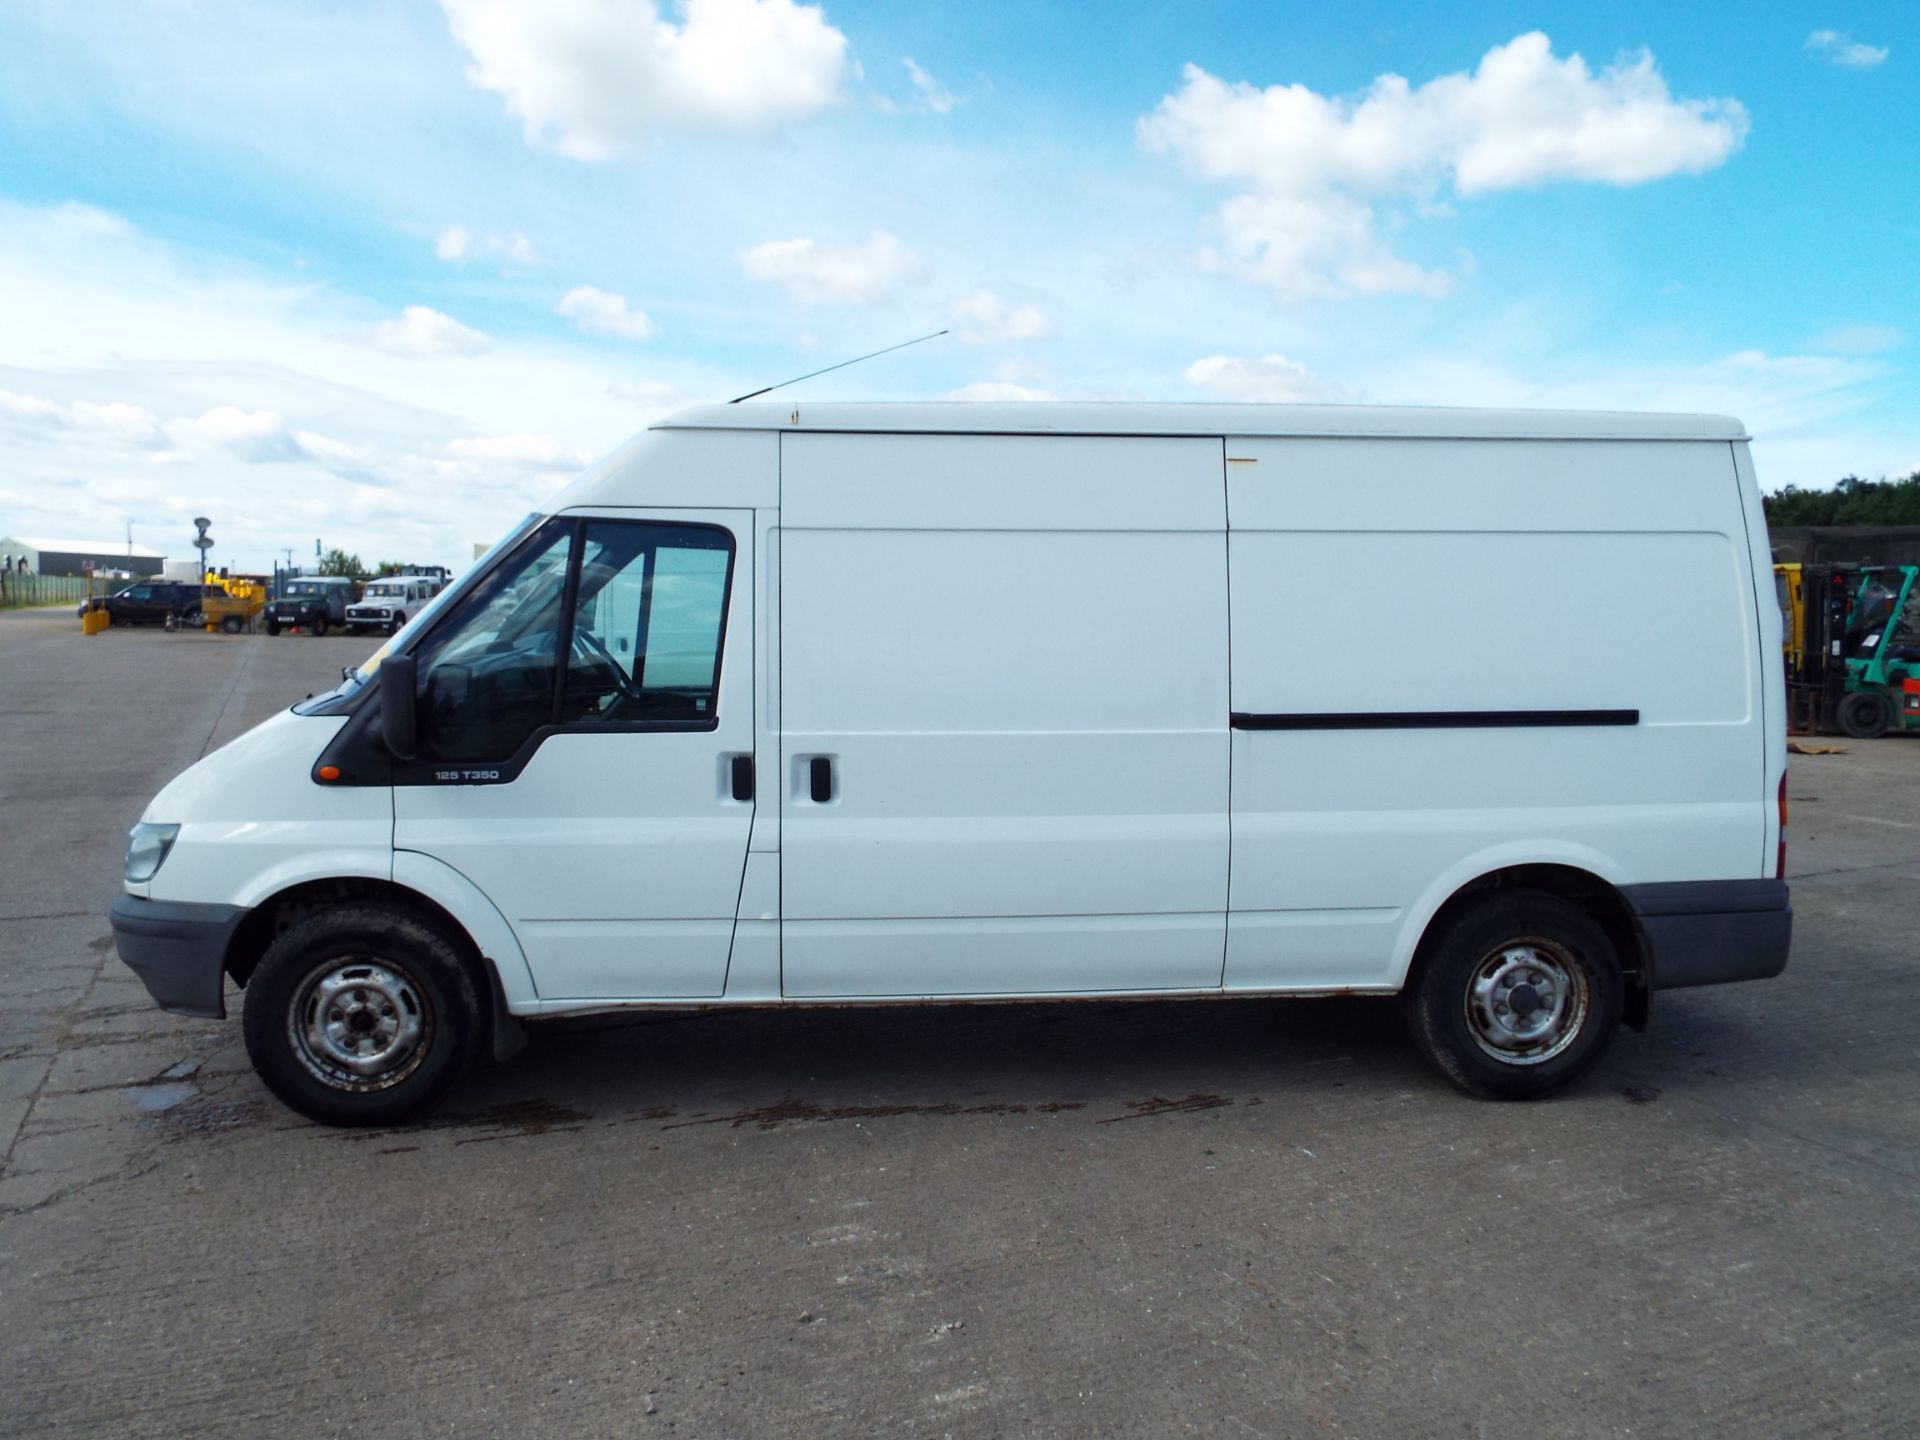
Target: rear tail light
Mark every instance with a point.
(1780, 860)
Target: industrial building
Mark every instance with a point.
(72, 557)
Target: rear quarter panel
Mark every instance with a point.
(1474, 575)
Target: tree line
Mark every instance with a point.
(1852, 502)
(339, 562)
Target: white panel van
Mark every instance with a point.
(783, 705)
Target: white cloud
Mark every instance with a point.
(266, 437)
(1267, 379)
(82, 290)
(989, 391)
(1842, 49)
(453, 243)
(1861, 339)
(518, 452)
(515, 246)
(422, 331)
(1777, 395)
(602, 312)
(114, 421)
(983, 318)
(257, 436)
(590, 78)
(336, 455)
(815, 274)
(933, 95)
(1314, 166)
(457, 243)
(657, 398)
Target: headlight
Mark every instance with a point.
(147, 847)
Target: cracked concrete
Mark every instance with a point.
(930, 1222)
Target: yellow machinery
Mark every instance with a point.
(1789, 587)
(231, 604)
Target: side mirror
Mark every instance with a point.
(399, 711)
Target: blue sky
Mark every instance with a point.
(384, 275)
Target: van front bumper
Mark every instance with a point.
(1709, 932)
(178, 950)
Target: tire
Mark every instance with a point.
(406, 1021)
(319, 626)
(393, 625)
(232, 624)
(273, 626)
(1865, 714)
(1489, 959)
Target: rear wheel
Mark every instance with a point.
(1865, 714)
(1519, 997)
(232, 624)
(360, 1014)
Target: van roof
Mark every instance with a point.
(1114, 418)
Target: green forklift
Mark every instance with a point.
(1852, 642)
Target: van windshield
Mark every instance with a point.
(307, 587)
(386, 589)
(429, 612)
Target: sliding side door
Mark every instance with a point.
(1004, 704)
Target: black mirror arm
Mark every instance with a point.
(399, 722)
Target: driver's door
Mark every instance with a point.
(580, 712)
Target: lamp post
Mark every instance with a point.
(202, 542)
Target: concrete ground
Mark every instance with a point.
(1221, 1218)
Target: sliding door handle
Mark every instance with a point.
(820, 779)
(742, 777)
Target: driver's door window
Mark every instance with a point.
(647, 627)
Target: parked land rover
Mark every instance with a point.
(736, 721)
(387, 603)
(315, 603)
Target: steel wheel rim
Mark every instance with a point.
(1527, 1001)
(360, 1023)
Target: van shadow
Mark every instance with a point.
(1112, 1059)
(1108, 1060)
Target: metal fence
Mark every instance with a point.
(19, 591)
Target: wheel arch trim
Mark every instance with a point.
(1484, 865)
(470, 908)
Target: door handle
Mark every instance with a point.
(742, 777)
(820, 779)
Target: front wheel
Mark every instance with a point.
(360, 1014)
(1865, 714)
(232, 624)
(393, 625)
(273, 626)
(319, 625)
(1520, 996)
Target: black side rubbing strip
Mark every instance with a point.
(1431, 719)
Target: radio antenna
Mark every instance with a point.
(751, 394)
